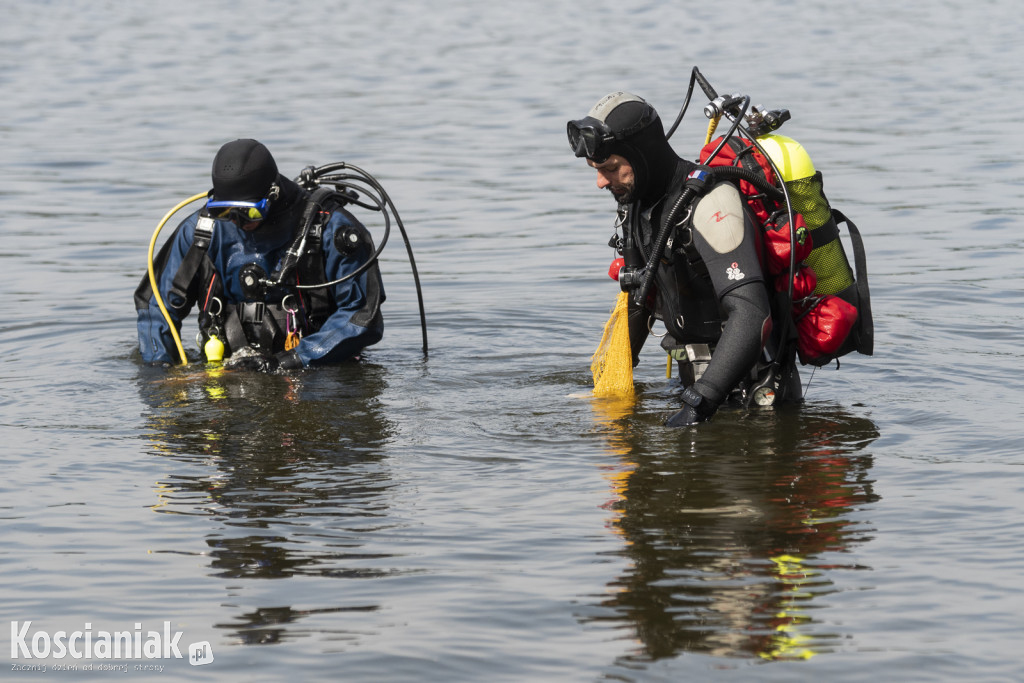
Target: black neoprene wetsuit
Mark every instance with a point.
(708, 288)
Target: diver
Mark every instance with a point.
(274, 269)
(707, 286)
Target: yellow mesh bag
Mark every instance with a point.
(809, 201)
(829, 260)
(612, 363)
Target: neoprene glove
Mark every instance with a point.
(289, 360)
(696, 409)
(265, 362)
(253, 362)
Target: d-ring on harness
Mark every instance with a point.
(294, 333)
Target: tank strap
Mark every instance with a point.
(826, 233)
(233, 331)
(865, 323)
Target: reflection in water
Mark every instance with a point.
(268, 625)
(735, 537)
(288, 469)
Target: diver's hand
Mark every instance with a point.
(254, 361)
(289, 360)
(696, 409)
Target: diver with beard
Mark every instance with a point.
(708, 288)
(272, 267)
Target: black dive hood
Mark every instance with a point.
(285, 206)
(245, 170)
(653, 161)
(639, 137)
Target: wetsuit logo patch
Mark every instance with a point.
(734, 272)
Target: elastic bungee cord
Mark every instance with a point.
(349, 186)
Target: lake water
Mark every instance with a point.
(473, 515)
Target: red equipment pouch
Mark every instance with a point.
(739, 152)
(804, 283)
(777, 242)
(822, 330)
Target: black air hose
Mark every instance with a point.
(718, 173)
(659, 245)
(755, 179)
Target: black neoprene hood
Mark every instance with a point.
(644, 146)
(243, 170)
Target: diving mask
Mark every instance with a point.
(594, 139)
(590, 138)
(239, 212)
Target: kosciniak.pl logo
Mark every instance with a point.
(100, 644)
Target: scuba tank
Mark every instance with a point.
(827, 259)
(834, 318)
(804, 186)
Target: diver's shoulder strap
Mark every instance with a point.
(324, 201)
(197, 251)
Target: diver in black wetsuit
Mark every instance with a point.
(708, 289)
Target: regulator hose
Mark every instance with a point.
(152, 275)
(695, 77)
(659, 245)
(350, 186)
(758, 181)
(686, 104)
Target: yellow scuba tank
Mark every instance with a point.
(835, 318)
(804, 185)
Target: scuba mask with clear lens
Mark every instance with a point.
(239, 212)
